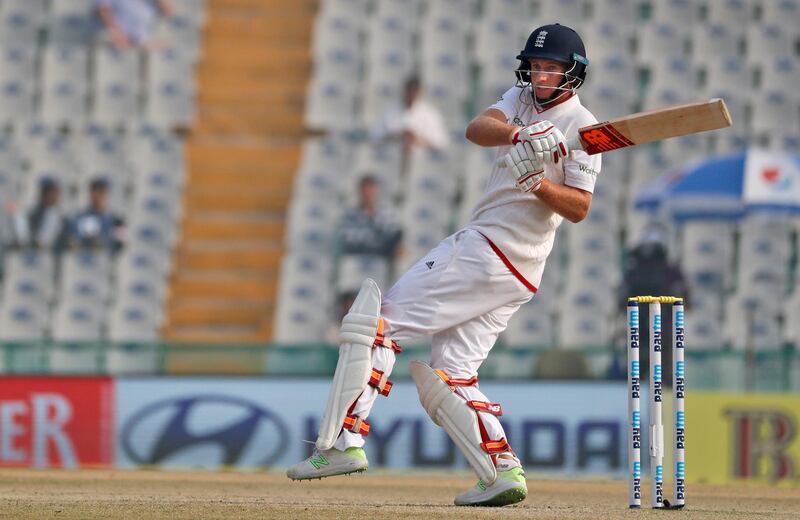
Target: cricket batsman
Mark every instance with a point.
(463, 292)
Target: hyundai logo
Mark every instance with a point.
(204, 430)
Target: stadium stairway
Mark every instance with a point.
(242, 153)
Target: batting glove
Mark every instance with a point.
(545, 139)
(528, 171)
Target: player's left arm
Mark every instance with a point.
(571, 203)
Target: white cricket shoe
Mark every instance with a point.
(328, 463)
(509, 488)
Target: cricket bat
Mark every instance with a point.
(653, 125)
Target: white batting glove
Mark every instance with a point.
(547, 141)
(528, 172)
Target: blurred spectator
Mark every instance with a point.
(97, 227)
(418, 123)
(131, 23)
(45, 226)
(365, 229)
(648, 272)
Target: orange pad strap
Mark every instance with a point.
(484, 406)
(497, 446)
(379, 380)
(356, 425)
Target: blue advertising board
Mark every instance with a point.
(564, 428)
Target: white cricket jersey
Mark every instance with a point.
(519, 224)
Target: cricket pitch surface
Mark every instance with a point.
(143, 494)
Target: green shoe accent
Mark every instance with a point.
(514, 475)
(357, 452)
(318, 461)
(507, 497)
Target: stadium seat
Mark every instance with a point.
(351, 8)
(707, 255)
(170, 89)
(24, 289)
(336, 30)
(767, 40)
(305, 299)
(781, 73)
(781, 12)
(665, 94)
(608, 36)
(705, 330)
(659, 39)
(311, 225)
(673, 70)
(382, 92)
(686, 148)
(726, 73)
(497, 36)
(326, 152)
(21, 21)
(713, 40)
(683, 13)
(354, 269)
(71, 22)
(64, 87)
(567, 12)
(75, 322)
(21, 322)
(584, 323)
(770, 113)
(16, 100)
(17, 61)
(117, 87)
(443, 30)
(132, 324)
(424, 225)
(731, 142)
(732, 13)
(496, 77)
(529, 327)
(615, 12)
(408, 9)
(331, 103)
(620, 70)
(102, 156)
(182, 33)
(756, 328)
(508, 9)
(33, 263)
(608, 100)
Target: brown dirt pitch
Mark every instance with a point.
(199, 495)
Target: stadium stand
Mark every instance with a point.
(74, 110)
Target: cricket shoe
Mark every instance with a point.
(327, 463)
(508, 488)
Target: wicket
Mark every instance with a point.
(656, 426)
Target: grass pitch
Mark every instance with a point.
(142, 495)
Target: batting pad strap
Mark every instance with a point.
(380, 381)
(485, 406)
(383, 341)
(356, 424)
(452, 382)
(498, 446)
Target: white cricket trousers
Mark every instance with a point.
(462, 295)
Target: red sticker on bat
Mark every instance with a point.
(603, 138)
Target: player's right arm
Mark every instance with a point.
(491, 128)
